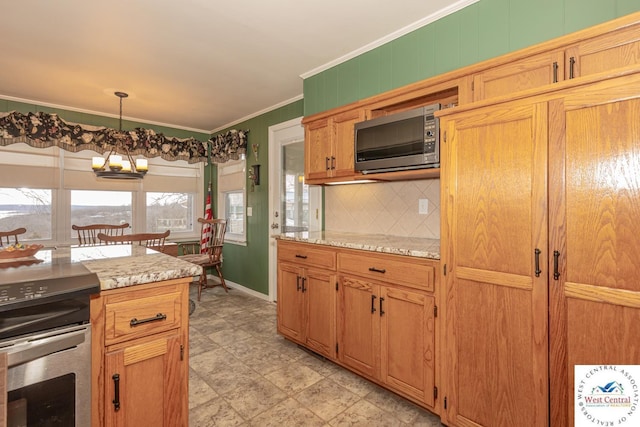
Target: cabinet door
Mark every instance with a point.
(290, 302)
(342, 161)
(317, 146)
(495, 216)
(603, 53)
(320, 293)
(527, 73)
(359, 325)
(408, 343)
(150, 384)
(595, 205)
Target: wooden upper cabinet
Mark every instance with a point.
(317, 140)
(605, 52)
(526, 73)
(329, 148)
(343, 147)
(595, 52)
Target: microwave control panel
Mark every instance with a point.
(431, 140)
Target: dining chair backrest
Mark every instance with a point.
(218, 228)
(207, 253)
(7, 236)
(155, 240)
(88, 234)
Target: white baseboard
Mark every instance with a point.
(233, 285)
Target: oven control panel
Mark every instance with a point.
(22, 292)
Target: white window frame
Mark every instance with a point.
(72, 171)
(232, 177)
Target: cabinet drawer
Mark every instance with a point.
(138, 317)
(307, 255)
(416, 273)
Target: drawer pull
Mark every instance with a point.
(301, 256)
(157, 317)
(373, 301)
(377, 270)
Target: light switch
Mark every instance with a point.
(249, 211)
(423, 206)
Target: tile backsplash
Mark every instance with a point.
(389, 208)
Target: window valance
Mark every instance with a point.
(43, 130)
(228, 146)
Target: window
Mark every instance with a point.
(47, 190)
(28, 208)
(100, 207)
(231, 199)
(169, 211)
(234, 212)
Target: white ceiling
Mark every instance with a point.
(193, 64)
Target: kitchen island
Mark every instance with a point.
(134, 369)
(140, 342)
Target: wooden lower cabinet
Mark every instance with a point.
(384, 332)
(307, 296)
(140, 352)
(388, 334)
(146, 382)
(306, 307)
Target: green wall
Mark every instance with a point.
(249, 265)
(483, 30)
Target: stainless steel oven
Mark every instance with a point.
(46, 335)
(49, 378)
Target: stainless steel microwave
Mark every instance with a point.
(401, 141)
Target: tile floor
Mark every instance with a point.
(244, 374)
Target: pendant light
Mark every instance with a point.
(117, 167)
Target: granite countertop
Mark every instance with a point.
(411, 246)
(116, 266)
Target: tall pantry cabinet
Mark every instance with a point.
(541, 246)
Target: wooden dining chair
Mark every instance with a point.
(88, 234)
(213, 230)
(150, 240)
(6, 236)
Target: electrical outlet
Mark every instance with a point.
(423, 206)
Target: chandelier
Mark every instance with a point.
(119, 168)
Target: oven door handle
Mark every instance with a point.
(27, 351)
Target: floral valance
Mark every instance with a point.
(228, 146)
(46, 130)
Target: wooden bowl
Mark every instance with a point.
(24, 252)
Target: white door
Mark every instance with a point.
(293, 205)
